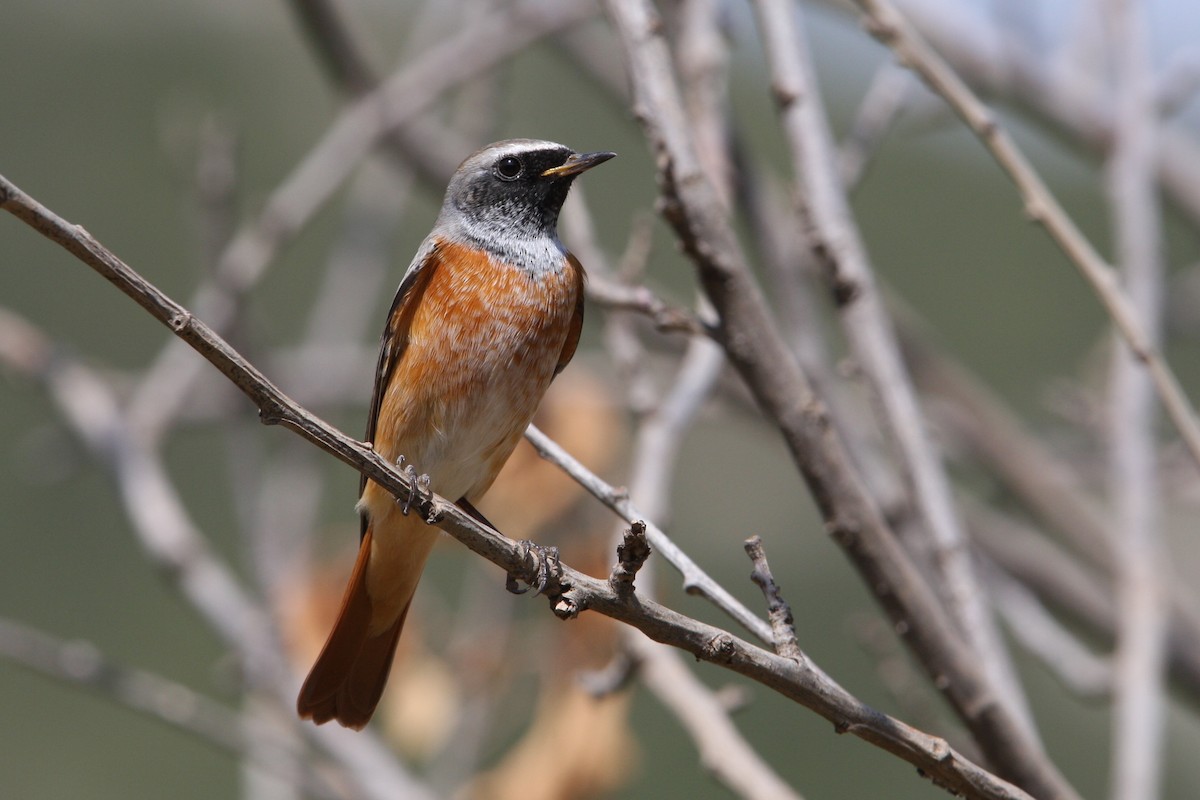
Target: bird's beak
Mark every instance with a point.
(577, 163)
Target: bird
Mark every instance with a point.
(489, 311)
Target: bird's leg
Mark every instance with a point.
(420, 485)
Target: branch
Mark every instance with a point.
(570, 591)
(1062, 582)
(783, 627)
(888, 95)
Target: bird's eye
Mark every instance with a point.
(509, 168)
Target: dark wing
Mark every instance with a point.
(394, 340)
(576, 328)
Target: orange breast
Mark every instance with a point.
(482, 348)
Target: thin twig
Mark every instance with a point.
(632, 553)
(640, 299)
(783, 626)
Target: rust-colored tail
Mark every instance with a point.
(347, 680)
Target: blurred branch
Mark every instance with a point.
(1052, 491)
(723, 750)
(429, 149)
(1060, 581)
(619, 333)
(82, 664)
(570, 592)
(338, 52)
(1138, 711)
(753, 345)
(1032, 625)
(887, 25)
(975, 419)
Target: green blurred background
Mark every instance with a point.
(99, 103)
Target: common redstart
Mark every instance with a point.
(489, 311)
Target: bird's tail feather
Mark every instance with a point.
(347, 680)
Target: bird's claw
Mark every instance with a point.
(420, 486)
(547, 563)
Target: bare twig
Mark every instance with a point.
(783, 627)
(571, 592)
(632, 553)
(640, 299)
(890, 27)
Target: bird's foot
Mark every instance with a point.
(420, 486)
(547, 565)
